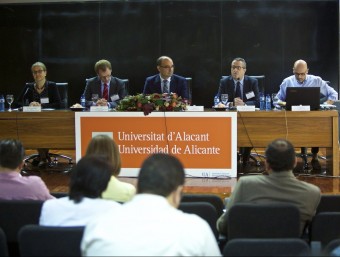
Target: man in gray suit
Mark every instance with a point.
(279, 186)
(109, 90)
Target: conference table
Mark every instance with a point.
(56, 130)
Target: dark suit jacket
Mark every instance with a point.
(26, 95)
(178, 85)
(227, 86)
(93, 86)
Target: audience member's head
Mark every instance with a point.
(104, 146)
(11, 154)
(161, 174)
(280, 155)
(89, 178)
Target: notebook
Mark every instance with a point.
(303, 96)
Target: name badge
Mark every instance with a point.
(114, 97)
(250, 94)
(44, 100)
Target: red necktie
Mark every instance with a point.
(106, 92)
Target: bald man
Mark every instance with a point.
(301, 78)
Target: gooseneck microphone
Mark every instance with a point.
(25, 101)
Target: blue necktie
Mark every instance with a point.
(238, 90)
(165, 86)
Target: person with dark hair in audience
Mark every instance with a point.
(44, 93)
(109, 90)
(116, 190)
(279, 186)
(166, 81)
(241, 90)
(13, 186)
(150, 224)
(89, 178)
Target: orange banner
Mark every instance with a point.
(204, 142)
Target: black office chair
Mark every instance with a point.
(35, 240)
(276, 220)
(203, 209)
(3, 244)
(14, 215)
(189, 83)
(329, 203)
(325, 227)
(215, 200)
(266, 247)
(63, 93)
(329, 248)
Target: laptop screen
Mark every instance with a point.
(303, 96)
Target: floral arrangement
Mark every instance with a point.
(153, 102)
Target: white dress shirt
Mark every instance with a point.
(149, 226)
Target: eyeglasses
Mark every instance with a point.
(37, 72)
(300, 74)
(168, 67)
(237, 67)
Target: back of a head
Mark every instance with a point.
(106, 147)
(11, 153)
(160, 174)
(89, 178)
(280, 155)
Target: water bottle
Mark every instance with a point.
(262, 101)
(2, 103)
(268, 103)
(216, 100)
(82, 100)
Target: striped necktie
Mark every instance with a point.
(165, 86)
(106, 92)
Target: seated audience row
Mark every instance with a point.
(150, 223)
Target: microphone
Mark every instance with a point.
(24, 100)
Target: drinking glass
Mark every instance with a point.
(224, 99)
(275, 100)
(9, 99)
(95, 98)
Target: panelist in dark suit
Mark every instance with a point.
(248, 92)
(110, 90)
(160, 83)
(241, 90)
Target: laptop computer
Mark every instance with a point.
(303, 96)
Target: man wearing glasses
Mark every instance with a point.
(301, 78)
(104, 89)
(166, 81)
(241, 90)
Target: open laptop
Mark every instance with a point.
(303, 96)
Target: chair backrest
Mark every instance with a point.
(325, 227)
(189, 83)
(15, 214)
(215, 200)
(329, 203)
(63, 93)
(3, 243)
(35, 240)
(266, 247)
(279, 220)
(203, 209)
(330, 247)
(261, 82)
